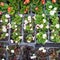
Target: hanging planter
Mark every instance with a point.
(54, 21)
(51, 8)
(41, 22)
(28, 29)
(16, 29)
(5, 26)
(41, 28)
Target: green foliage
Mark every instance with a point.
(29, 38)
(40, 38)
(15, 23)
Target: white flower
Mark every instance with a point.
(21, 15)
(24, 26)
(28, 41)
(37, 26)
(6, 20)
(50, 6)
(16, 33)
(1, 21)
(15, 29)
(55, 8)
(44, 20)
(4, 29)
(7, 16)
(29, 21)
(43, 15)
(9, 25)
(41, 26)
(26, 22)
(53, 30)
(44, 51)
(41, 48)
(52, 37)
(7, 34)
(30, 25)
(46, 41)
(3, 59)
(52, 12)
(33, 37)
(37, 33)
(15, 26)
(44, 36)
(20, 37)
(29, 17)
(7, 48)
(12, 51)
(34, 17)
(16, 41)
(33, 57)
(47, 26)
(57, 26)
(11, 41)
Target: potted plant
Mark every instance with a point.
(41, 28)
(51, 10)
(55, 29)
(29, 29)
(5, 26)
(16, 29)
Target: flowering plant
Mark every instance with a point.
(3, 7)
(55, 36)
(38, 23)
(29, 29)
(41, 28)
(30, 6)
(16, 28)
(29, 38)
(54, 21)
(41, 37)
(4, 23)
